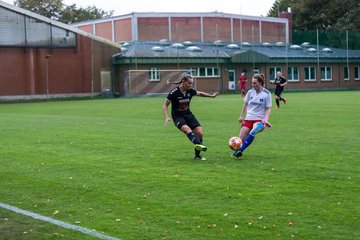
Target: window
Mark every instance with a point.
(18, 30)
(193, 71)
(154, 75)
(205, 72)
(202, 72)
(293, 74)
(310, 73)
(326, 73)
(356, 73)
(273, 71)
(346, 73)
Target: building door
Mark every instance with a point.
(231, 77)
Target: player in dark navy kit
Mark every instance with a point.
(280, 82)
(184, 120)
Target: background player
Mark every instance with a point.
(242, 84)
(280, 82)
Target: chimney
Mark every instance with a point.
(287, 15)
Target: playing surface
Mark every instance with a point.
(111, 166)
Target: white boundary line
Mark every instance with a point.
(57, 222)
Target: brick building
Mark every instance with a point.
(195, 27)
(216, 48)
(142, 67)
(44, 58)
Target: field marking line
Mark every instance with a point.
(57, 222)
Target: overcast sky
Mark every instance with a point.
(245, 7)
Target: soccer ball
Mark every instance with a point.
(235, 143)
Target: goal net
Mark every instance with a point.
(152, 81)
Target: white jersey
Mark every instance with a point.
(257, 104)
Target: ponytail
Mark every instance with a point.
(184, 76)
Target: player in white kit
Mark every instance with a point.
(257, 107)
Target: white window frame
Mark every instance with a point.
(193, 71)
(154, 75)
(307, 71)
(291, 77)
(272, 76)
(205, 72)
(357, 73)
(326, 71)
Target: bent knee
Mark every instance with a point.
(198, 131)
(185, 129)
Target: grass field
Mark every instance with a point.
(111, 166)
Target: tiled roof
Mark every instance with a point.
(172, 50)
(237, 52)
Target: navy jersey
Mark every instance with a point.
(278, 81)
(180, 101)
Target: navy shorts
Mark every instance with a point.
(186, 119)
(278, 91)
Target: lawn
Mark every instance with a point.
(111, 166)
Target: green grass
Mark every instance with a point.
(111, 165)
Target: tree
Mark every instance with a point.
(48, 8)
(72, 14)
(349, 20)
(55, 9)
(280, 6)
(325, 15)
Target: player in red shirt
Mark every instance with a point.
(242, 84)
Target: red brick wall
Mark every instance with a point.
(186, 28)
(273, 32)
(236, 30)
(123, 30)
(104, 30)
(87, 28)
(250, 31)
(216, 28)
(189, 28)
(12, 80)
(69, 70)
(287, 15)
(153, 28)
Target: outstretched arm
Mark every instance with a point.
(165, 110)
(283, 84)
(267, 115)
(204, 94)
(243, 113)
